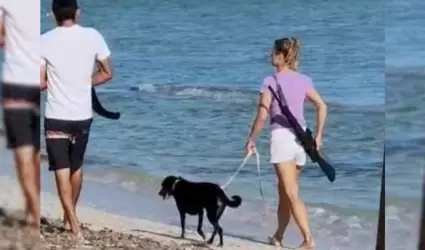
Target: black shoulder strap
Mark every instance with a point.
(279, 97)
(285, 108)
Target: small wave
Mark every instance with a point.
(234, 95)
(215, 93)
(393, 146)
(405, 73)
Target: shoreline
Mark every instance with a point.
(142, 217)
(102, 230)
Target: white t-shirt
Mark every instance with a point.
(22, 42)
(69, 55)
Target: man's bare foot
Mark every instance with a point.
(272, 240)
(79, 237)
(29, 218)
(66, 224)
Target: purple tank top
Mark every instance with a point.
(294, 87)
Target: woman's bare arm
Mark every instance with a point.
(321, 110)
(262, 114)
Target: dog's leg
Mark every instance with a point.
(219, 229)
(182, 222)
(220, 212)
(220, 233)
(212, 217)
(200, 221)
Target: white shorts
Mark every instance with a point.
(284, 147)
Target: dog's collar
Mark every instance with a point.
(174, 185)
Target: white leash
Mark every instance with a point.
(245, 160)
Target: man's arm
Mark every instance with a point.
(2, 29)
(43, 78)
(103, 62)
(103, 73)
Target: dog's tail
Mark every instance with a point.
(234, 202)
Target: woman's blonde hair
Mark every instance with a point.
(289, 47)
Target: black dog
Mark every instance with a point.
(193, 197)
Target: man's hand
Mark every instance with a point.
(2, 32)
(103, 74)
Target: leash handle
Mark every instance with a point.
(245, 160)
(259, 174)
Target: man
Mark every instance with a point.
(20, 38)
(69, 53)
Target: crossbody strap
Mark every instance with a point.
(282, 98)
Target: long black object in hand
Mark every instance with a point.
(380, 239)
(305, 137)
(100, 110)
(421, 244)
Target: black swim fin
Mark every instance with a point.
(326, 167)
(100, 110)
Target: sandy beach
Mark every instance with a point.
(102, 230)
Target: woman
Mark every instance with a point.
(286, 154)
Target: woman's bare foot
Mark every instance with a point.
(306, 245)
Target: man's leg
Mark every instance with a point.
(76, 184)
(27, 178)
(57, 146)
(65, 194)
(36, 154)
(77, 154)
(19, 134)
(36, 161)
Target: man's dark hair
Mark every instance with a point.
(64, 10)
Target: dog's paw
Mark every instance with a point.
(209, 242)
(220, 245)
(182, 236)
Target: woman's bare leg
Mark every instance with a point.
(283, 214)
(288, 174)
(284, 207)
